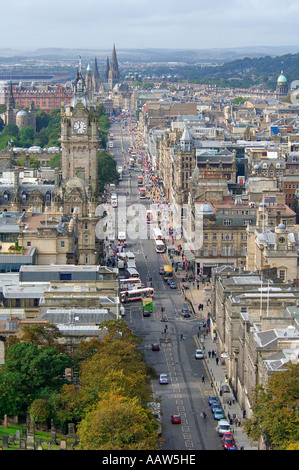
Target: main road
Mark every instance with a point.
(186, 393)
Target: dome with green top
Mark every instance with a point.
(281, 78)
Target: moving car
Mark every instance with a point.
(163, 379)
(161, 270)
(155, 347)
(172, 285)
(199, 354)
(175, 419)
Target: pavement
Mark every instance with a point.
(216, 370)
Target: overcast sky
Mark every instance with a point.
(194, 24)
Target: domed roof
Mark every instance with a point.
(281, 226)
(76, 183)
(22, 113)
(205, 209)
(281, 78)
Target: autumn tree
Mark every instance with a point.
(46, 334)
(275, 411)
(118, 423)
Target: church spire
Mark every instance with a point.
(114, 71)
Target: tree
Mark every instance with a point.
(275, 411)
(40, 410)
(29, 372)
(42, 335)
(118, 423)
(107, 170)
(55, 161)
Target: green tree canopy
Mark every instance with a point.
(276, 412)
(29, 372)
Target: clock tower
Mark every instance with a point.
(80, 137)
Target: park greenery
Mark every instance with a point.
(108, 404)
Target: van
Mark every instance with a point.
(223, 426)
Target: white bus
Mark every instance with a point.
(157, 234)
(160, 246)
(132, 272)
(138, 294)
(131, 264)
(122, 238)
(131, 283)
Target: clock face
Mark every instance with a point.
(79, 127)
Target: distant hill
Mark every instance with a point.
(240, 73)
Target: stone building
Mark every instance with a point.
(17, 116)
(246, 313)
(282, 88)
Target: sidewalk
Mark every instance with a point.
(217, 372)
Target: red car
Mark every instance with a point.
(175, 419)
(228, 441)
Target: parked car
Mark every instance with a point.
(215, 406)
(213, 399)
(175, 419)
(228, 441)
(223, 426)
(163, 379)
(218, 414)
(199, 354)
(155, 347)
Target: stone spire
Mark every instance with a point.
(107, 71)
(114, 71)
(96, 82)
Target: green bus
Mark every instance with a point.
(147, 306)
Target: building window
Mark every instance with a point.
(227, 222)
(282, 274)
(62, 244)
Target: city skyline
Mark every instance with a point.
(194, 24)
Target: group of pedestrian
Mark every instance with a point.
(234, 419)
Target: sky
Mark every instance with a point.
(141, 24)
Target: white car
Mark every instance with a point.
(223, 427)
(199, 354)
(163, 379)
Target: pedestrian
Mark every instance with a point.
(217, 360)
(244, 413)
(209, 353)
(211, 382)
(203, 379)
